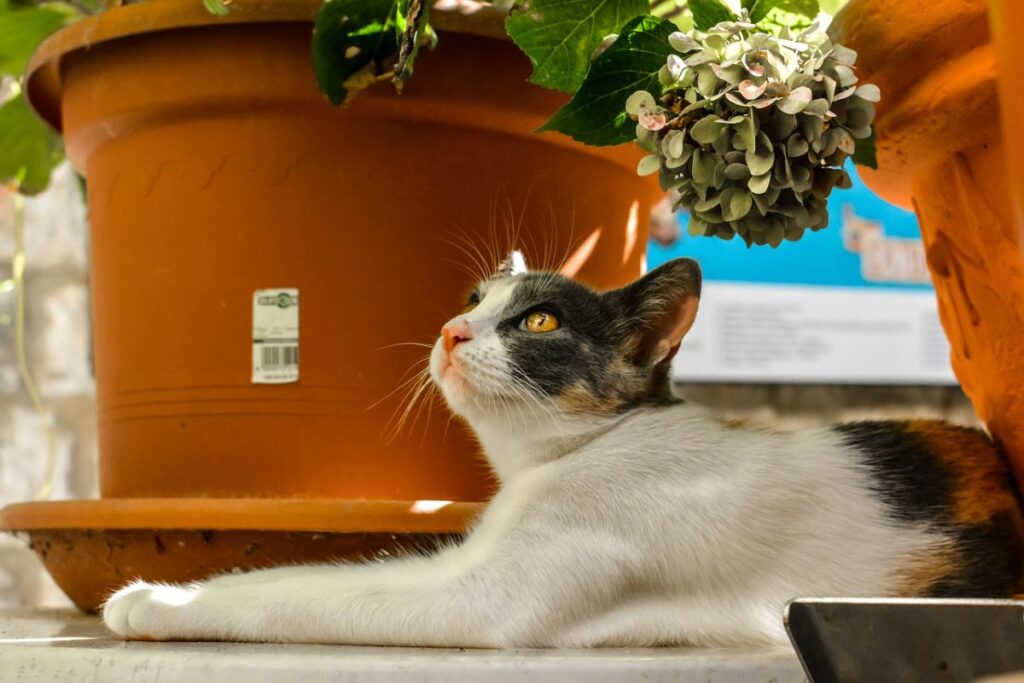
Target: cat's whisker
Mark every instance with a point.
(397, 419)
(448, 422)
(531, 390)
(469, 248)
(426, 405)
(538, 408)
(550, 242)
(522, 214)
(511, 411)
(551, 234)
(514, 224)
(424, 345)
(423, 385)
(492, 228)
(496, 400)
(408, 388)
(518, 396)
(403, 382)
(553, 268)
(472, 274)
(432, 407)
(504, 245)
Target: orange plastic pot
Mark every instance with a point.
(215, 168)
(942, 152)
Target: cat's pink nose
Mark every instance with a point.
(454, 333)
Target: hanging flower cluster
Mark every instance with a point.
(752, 129)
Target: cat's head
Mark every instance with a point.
(532, 344)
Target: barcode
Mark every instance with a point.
(279, 356)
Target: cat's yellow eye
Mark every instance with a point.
(472, 302)
(541, 321)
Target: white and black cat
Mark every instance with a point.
(625, 516)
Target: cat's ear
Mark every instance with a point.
(513, 264)
(656, 311)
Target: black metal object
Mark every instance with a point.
(852, 640)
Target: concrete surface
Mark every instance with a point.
(60, 646)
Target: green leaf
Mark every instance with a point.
(707, 130)
(23, 27)
(784, 12)
(832, 6)
(748, 4)
(865, 153)
(28, 149)
(739, 205)
(353, 42)
(707, 13)
(596, 114)
(559, 36)
(675, 11)
(216, 7)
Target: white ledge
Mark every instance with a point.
(64, 645)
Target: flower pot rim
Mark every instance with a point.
(43, 83)
(263, 514)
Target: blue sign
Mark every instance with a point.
(852, 303)
(868, 243)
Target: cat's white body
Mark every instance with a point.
(662, 528)
(660, 525)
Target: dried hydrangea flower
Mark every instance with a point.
(752, 129)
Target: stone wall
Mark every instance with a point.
(58, 348)
(792, 406)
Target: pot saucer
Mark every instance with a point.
(92, 547)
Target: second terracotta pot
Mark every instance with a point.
(942, 151)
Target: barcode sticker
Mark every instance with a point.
(275, 336)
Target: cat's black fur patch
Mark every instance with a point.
(580, 351)
(597, 358)
(905, 474)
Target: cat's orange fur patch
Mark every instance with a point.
(981, 481)
(738, 423)
(580, 398)
(925, 570)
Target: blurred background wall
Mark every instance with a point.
(57, 349)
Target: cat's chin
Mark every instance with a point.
(456, 390)
(455, 387)
(462, 397)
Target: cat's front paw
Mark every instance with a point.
(147, 611)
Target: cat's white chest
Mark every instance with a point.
(504, 513)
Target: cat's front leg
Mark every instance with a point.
(524, 593)
(326, 603)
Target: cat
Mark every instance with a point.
(626, 516)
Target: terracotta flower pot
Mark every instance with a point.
(215, 168)
(1006, 18)
(941, 151)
